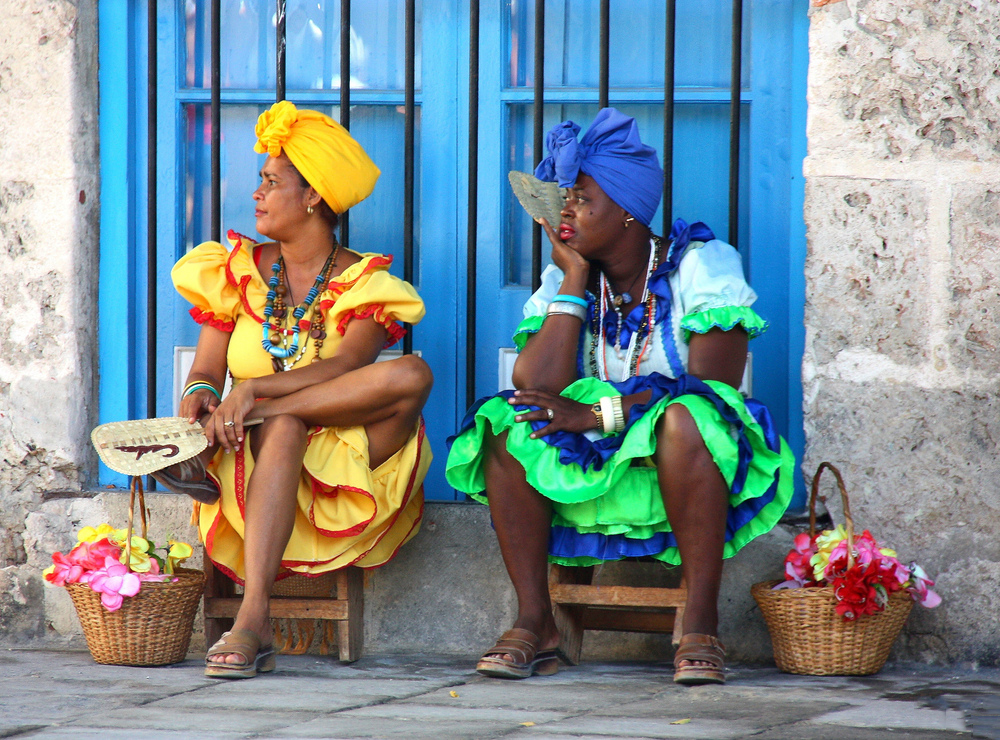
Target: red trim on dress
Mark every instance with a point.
(208, 317)
(240, 480)
(352, 531)
(381, 260)
(244, 281)
(376, 311)
(406, 498)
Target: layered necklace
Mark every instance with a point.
(640, 337)
(275, 340)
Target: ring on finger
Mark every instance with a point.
(229, 424)
(550, 413)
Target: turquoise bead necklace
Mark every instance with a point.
(273, 341)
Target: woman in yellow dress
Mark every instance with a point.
(332, 475)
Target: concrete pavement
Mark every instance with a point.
(51, 694)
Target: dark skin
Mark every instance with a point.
(347, 389)
(596, 235)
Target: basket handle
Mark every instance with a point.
(848, 520)
(135, 487)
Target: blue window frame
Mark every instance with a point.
(771, 234)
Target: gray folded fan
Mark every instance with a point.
(540, 199)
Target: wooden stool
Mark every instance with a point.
(346, 607)
(579, 605)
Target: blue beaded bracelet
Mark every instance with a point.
(570, 299)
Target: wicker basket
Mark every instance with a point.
(808, 635)
(151, 628)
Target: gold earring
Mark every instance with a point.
(309, 210)
(627, 220)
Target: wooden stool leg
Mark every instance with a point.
(216, 585)
(569, 619)
(351, 631)
(679, 616)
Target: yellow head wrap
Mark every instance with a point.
(321, 150)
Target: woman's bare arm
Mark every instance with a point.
(719, 355)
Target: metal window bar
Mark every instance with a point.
(151, 304)
(668, 115)
(736, 88)
(279, 50)
(409, 109)
(216, 44)
(471, 257)
(345, 94)
(539, 111)
(603, 53)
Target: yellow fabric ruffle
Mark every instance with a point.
(347, 514)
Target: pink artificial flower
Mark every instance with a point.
(797, 567)
(113, 582)
(92, 555)
(920, 589)
(64, 570)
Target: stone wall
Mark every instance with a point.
(903, 298)
(48, 295)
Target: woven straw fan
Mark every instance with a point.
(143, 446)
(540, 199)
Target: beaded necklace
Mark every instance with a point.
(640, 337)
(284, 356)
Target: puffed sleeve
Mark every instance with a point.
(537, 306)
(714, 293)
(367, 289)
(200, 276)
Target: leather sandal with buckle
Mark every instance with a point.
(703, 649)
(528, 660)
(246, 644)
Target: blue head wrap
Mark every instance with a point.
(610, 152)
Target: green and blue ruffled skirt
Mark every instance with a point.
(606, 501)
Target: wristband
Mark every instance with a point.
(570, 299)
(570, 309)
(608, 414)
(619, 413)
(199, 385)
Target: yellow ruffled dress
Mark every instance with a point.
(347, 513)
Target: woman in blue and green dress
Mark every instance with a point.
(627, 435)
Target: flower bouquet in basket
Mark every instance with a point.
(136, 606)
(844, 599)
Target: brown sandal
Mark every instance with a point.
(528, 660)
(247, 645)
(704, 649)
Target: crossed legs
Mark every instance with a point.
(386, 398)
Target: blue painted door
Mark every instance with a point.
(769, 235)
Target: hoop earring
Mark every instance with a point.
(309, 210)
(628, 220)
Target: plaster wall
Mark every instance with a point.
(48, 257)
(902, 294)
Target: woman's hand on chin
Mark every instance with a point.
(225, 427)
(566, 414)
(565, 257)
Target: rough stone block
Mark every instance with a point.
(974, 281)
(905, 80)
(867, 269)
(922, 473)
